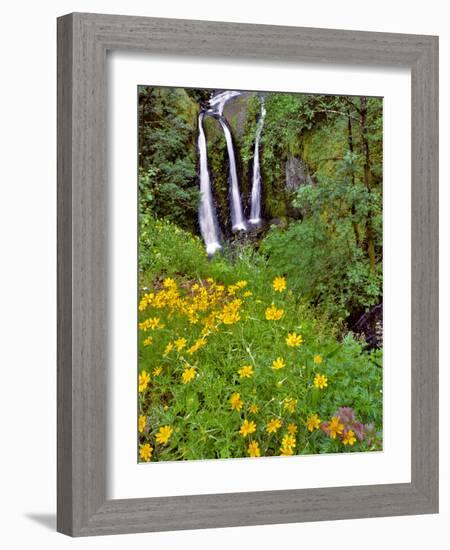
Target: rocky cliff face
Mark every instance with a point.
(297, 174)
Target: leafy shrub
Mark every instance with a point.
(325, 267)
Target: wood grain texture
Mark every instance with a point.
(424, 276)
(64, 328)
(83, 206)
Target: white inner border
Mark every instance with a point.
(126, 478)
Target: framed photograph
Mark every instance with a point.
(247, 274)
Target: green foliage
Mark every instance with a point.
(324, 265)
(199, 411)
(167, 154)
(167, 250)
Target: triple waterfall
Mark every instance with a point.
(209, 225)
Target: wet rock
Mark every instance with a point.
(297, 174)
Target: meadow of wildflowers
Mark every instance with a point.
(232, 363)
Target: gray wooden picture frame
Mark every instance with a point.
(83, 41)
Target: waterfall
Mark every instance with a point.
(206, 212)
(255, 208)
(217, 102)
(237, 217)
(216, 105)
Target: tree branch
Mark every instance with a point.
(350, 102)
(347, 115)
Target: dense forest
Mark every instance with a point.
(315, 258)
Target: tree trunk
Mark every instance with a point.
(370, 240)
(350, 148)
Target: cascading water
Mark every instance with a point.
(238, 221)
(255, 207)
(216, 105)
(207, 212)
(217, 102)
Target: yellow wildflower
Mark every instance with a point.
(144, 379)
(320, 381)
(160, 300)
(335, 427)
(313, 422)
(236, 402)
(254, 409)
(231, 318)
(278, 363)
(273, 313)
(274, 425)
(180, 343)
(289, 404)
(279, 284)
(164, 434)
(292, 429)
(188, 375)
(288, 442)
(349, 438)
(294, 340)
(230, 314)
(154, 322)
(241, 284)
(248, 427)
(157, 371)
(286, 451)
(148, 341)
(246, 371)
(247, 294)
(318, 359)
(169, 283)
(193, 318)
(146, 300)
(253, 449)
(198, 344)
(210, 322)
(151, 323)
(145, 452)
(142, 422)
(168, 349)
